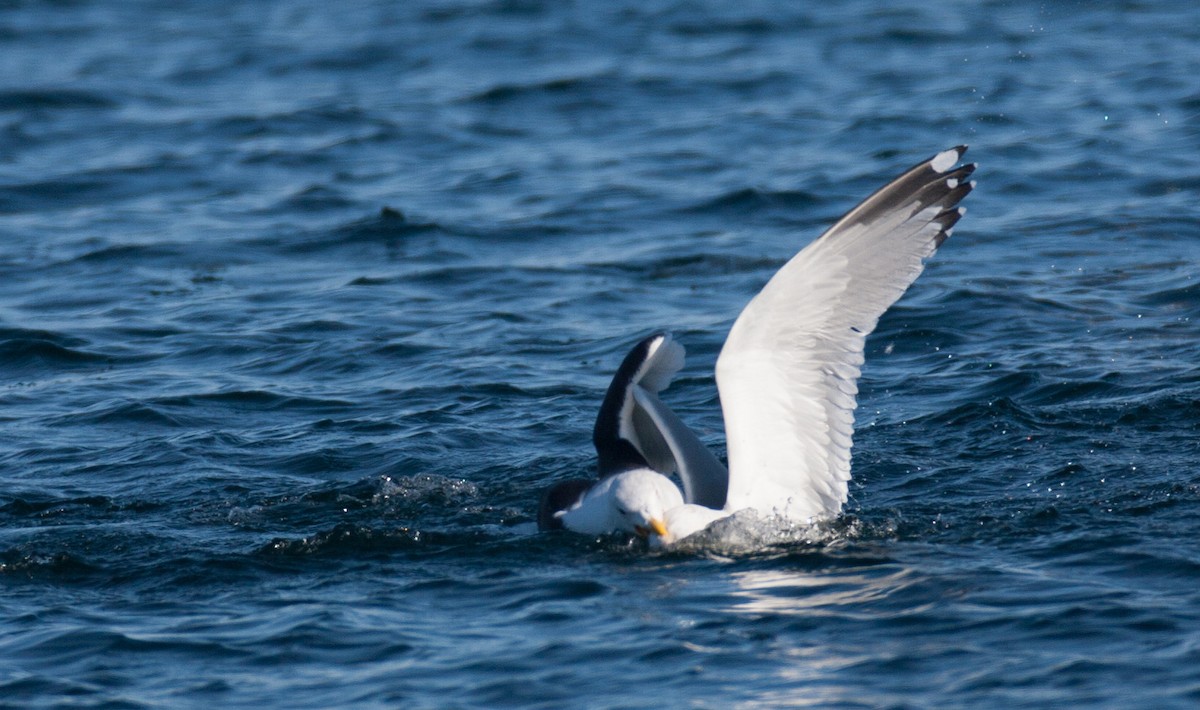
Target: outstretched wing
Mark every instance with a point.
(787, 373)
(635, 429)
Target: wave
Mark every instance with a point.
(253, 400)
(29, 99)
(28, 353)
(577, 88)
(751, 200)
(65, 566)
(389, 227)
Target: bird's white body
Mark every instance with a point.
(688, 519)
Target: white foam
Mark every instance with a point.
(747, 532)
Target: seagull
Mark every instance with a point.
(786, 376)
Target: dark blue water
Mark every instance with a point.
(302, 302)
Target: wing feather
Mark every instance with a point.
(704, 477)
(624, 436)
(788, 371)
(634, 428)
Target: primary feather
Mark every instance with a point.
(788, 370)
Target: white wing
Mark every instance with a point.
(787, 373)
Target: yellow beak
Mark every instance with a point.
(656, 526)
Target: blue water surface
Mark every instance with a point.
(302, 303)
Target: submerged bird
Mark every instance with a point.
(786, 377)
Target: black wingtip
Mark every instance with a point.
(947, 219)
(614, 453)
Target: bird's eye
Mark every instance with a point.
(622, 511)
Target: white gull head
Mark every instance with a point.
(634, 501)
